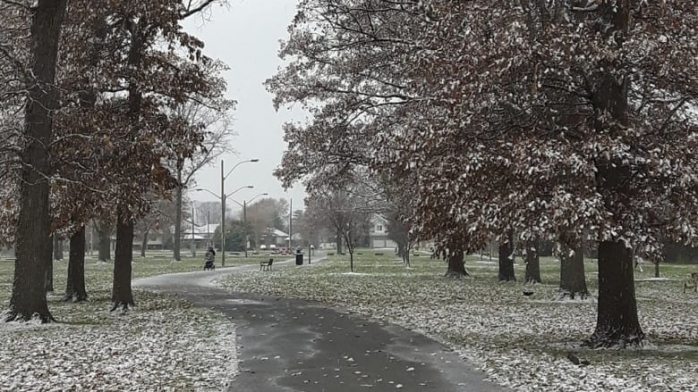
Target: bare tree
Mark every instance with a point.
(210, 210)
(214, 117)
(344, 208)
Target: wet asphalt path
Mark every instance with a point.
(292, 345)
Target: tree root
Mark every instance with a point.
(16, 316)
(456, 274)
(566, 294)
(74, 297)
(124, 306)
(614, 339)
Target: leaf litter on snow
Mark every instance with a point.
(160, 345)
(517, 341)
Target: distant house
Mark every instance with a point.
(379, 233)
(155, 241)
(202, 234)
(274, 237)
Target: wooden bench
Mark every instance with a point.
(266, 265)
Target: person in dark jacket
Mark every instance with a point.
(210, 259)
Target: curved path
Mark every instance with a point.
(292, 345)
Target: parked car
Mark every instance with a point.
(263, 247)
(272, 247)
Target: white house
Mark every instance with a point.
(275, 237)
(379, 233)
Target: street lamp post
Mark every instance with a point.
(244, 216)
(223, 177)
(222, 199)
(222, 216)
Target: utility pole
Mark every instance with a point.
(193, 243)
(244, 219)
(222, 215)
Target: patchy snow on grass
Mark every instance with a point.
(162, 345)
(517, 341)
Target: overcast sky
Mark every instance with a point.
(245, 35)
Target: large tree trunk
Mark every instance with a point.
(339, 242)
(406, 257)
(75, 286)
(532, 262)
(177, 240)
(656, 267)
(572, 277)
(28, 289)
(57, 248)
(144, 243)
(617, 322)
(48, 278)
(506, 259)
(104, 231)
(122, 295)
(456, 264)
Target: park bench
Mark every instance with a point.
(266, 265)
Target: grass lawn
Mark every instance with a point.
(162, 344)
(519, 341)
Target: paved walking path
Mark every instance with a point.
(292, 345)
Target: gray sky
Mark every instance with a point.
(245, 35)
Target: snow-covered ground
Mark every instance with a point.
(163, 344)
(520, 342)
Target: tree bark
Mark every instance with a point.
(75, 286)
(572, 277)
(656, 268)
(406, 257)
(350, 243)
(104, 232)
(617, 323)
(122, 296)
(401, 252)
(177, 240)
(532, 262)
(506, 259)
(48, 278)
(144, 244)
(28, 289)
(339, 242)
(57, 248)
(456, 265)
